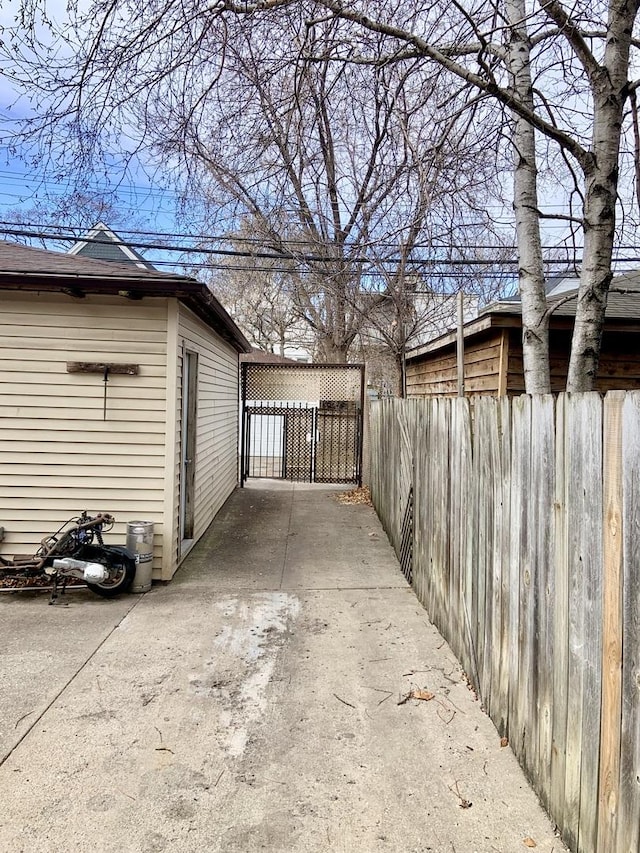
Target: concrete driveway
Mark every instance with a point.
(254, 704)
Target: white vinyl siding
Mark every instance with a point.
(217, 418)
(58, 456)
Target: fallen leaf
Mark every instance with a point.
(529, 842)
(422, 694)
(415, 693)
(504, 741)
(355, 496)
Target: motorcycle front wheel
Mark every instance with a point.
(122, 571)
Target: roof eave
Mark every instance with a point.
(190, 291)
(470, 329)
(206, 306)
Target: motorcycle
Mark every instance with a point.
(77, 550)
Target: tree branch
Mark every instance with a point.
(573, 35)
(424, 48)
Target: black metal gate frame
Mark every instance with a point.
(283, 410)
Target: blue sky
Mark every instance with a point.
(141, 204)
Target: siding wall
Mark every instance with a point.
(58, 456)
(217, 422)
(619, 368)
(436, 374)
(494, 365)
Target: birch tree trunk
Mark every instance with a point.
(535, 319)
(609, 87)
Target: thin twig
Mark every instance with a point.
(449, 710)
(344, 702)
(23, 717)
(381, 690)
(464, 804)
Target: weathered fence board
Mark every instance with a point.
(524, 720)
(575, 460)
(500, 699)
(543, 481)
(611, 623)
(590, 412)
(559, 711)
(526, 548)
(628, 835)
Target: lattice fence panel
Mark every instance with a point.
(305, 383)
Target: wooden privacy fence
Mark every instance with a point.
(525, 549)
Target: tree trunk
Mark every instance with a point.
(330, 352)
(601, 187)
(535, 321)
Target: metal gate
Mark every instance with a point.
(302, 422)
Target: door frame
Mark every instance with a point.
(188, 443)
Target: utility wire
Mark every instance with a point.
(80, 232)
(76, 234)
(299, 258)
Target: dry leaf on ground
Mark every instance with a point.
(422, 694)
(361, 495)
(416, 693)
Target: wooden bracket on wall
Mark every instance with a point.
(100, 367)
(106, 369)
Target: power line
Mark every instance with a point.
(283, 255)
(78, 233)
(302, 258)
(133, 188)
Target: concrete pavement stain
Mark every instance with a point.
(243, 659)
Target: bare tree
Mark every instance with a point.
(260, 294)
(329, 159)
(68, 215)
(261, 306)
(561, 74)
(325, 174)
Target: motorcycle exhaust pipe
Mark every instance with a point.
(91, 572)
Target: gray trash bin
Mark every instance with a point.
(140, 543)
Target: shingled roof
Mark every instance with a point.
(258, 356)
(623, 302)
(27, 261)
(26, 269)
(623, 306)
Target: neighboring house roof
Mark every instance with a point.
(623, 304)
(25, 269)
(103, 244)
(258, 356)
